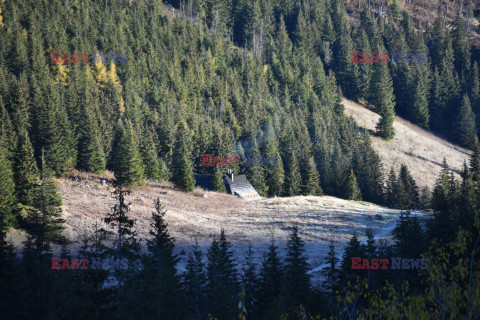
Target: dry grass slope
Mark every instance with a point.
(420, 150)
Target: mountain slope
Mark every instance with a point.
(420, 150)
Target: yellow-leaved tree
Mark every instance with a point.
(1, 18)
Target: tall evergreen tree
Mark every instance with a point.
(296, 268)
(222, 286)
(352, 191)
(218, 184)
(91, 157)
(8, 199)
(250, 280)
(182, 164)
(410, 190)
(162, 295)
(150, 156)
(332, 272)
(384, 101)
(465, 127)
(10, 279)
(353, 249)
(311, 184)
(25, 171)
(195, 282)
(269, 304)
(442, 226)
(126, 160)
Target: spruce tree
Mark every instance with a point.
(256, 172)
(311, 185)
(296, 268)
(275, 176)
(410, 190)
(442, 226)
(269, 304)
(195, 281)
(249, 280)
(365, 69)
(461, 47)
(331, 278)
(353, 249)
(8, 199)
(465, 128)
(162, 295)
(383, 99)
(126, 160)
(10, 278)
(182, 164)
(218, 184)
(150, 156)
(293, 176)
(222, 286)
(91, 157)
(352, 191)
(468, 202)
(390, 192)
(25, 171)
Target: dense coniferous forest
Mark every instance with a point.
(227, 77)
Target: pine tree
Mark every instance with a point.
(461, 47)
(8, 199)
(218, 184)
(25, 170)
(195, 281)
(269, 303)
(384, 101)
(410, 190)
(442, 226)
(126, 246)
(418, 111)
(126, 160)
(91, 157)
(353, 249)
(296, 269)
(467, 199)
(150, 156)
(332, 273)
(466, 131)
(352, 191)
(390, 192)
(293, 176)
(365, 69)
(311, 185)
(222, 287)
(45, 225)
(250, 280)
(10, 279)
(256, 172)
(182, 164)
(162, 295)
(48, 205)
(274, 172)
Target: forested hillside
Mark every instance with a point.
(230, 77)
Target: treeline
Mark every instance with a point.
(184, 91)
(448, 240)
(442, 95)
(214, 286)
(32, 285)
